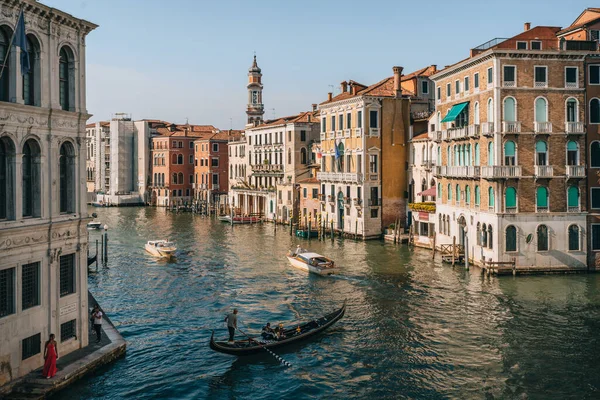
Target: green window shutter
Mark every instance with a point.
(491, 153)
(511, 198)
(477, 154)
(511, 238)
(477, 196)
(541, 146)
(449, 192)
(509, 149)
(572, 146)
(491, 197)
(509, 109)
(540, 110)
(467, 194)
(542, 197)
(457, 194)
(573, 196)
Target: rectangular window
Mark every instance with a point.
(521, 45)
(174, 144)
(373, 119)
(214, 162)
(31, 346)
(323, 125)
(448, 90)
(571, 80)
(215, 147)
(595, 193)
(67, 274)
(191, 179)
(374, 212)
(424, 87)
(439, 93)
(490, 76)
(215, 179)
(476, 80)
(510, 75)
(541, 77)
(348, 121)
(594, 74)
(457, 87)
(333, 122)
(596, 237)
(30, 285)
(359, 119)
(466, 84)
(348, 191)
(68, 330)
(304, 192)
(191, 158)
(373, 163)
(7, 292)
(359, 193)
(536, 45)
(191, 145)
(315, 193)
(341, 122)
(303, 136)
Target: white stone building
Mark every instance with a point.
(43, 236)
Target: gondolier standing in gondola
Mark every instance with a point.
(231, 320)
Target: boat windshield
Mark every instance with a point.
(166, 244)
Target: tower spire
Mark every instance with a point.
(255, 109)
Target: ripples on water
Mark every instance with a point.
(413, 328)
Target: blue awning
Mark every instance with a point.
(455, 111)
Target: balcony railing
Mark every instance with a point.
(487, 128)
(339, 133)
(358, 132)
(575, 171)
(511, 210)
(323, 135)
(446, 135)
(373, 131)
(574, 209)
(542, 127)
(542, 209)
(358, 203)
(428, 164)
(437, 136)
(465, 171)
(347, 201)
(544, 171)
(473, 131)
(511, 127)
(540, 84)
(273, 168)
(574, 128)
(501, 171)
(458, 133)
(347, 132)
(331, 199)
(375, 202)
(510, 84)
(340, 176)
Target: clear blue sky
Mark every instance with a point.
(189, 58)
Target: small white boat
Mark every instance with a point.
(311, 262)
(94, 225)
(161, 248)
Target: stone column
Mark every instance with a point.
(19, 184)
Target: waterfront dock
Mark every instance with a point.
(72, 366)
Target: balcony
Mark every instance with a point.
(437, 136)
(511, 210)
(330, 199)
(347, 202)
(358, 203)
(542, 84)
(544, 171)
(347, 132)
(322, 198)
(511, 127)
(428, 165)
(575, 171)
(487, 128)
(358, 132)
(340, 177)
(542, 209)
(445, 135)
(323, 136)
(574, 209)
(267, 168)
(373, 131)
(339, 133)
(374, 202)
(501, 171)
(458, 171)
(574, 128)
(458, 133)
(542, 128)
(473, 131)
(509, 84)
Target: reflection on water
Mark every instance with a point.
(413, 328)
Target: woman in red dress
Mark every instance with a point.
(50, 355)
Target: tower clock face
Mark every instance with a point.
(254, 97)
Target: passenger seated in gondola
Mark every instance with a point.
(267, 332)
(279, 332)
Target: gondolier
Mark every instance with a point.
(231, 320)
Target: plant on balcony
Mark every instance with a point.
(271, 188)
(266, 161)
(428, 207)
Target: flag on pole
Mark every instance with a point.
(21, 41)
(337, 151)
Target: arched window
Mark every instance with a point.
(490, 110)
(439, 156)
(541, 110)
(468, 155)
(67, 178)
(542, 238)
(491, 200)
(542, 199)
(155, 182)
(510, 109)
(595, 111)
(303, 156)
(510, 154)
(439, 190)
(456, 155)
(477, 162)
(573, 198)
(510, 199)
(449, 192)
(66, 86)
(7, 74)
(477, 196)
(162, 179)
(511, 238)
(174, 159)
(31, 80)
(180, 159)
(31, 179)
(572, 153)
(7, 178)
(448, 156)
(490, 237)
(174, 179)
(595, 155)
(484, 235)
(491, 153)
(573, 238)
(467, 195)
(180, 178)
(541, 153)
(476, 113)
(457, 194)
(571, 110)
(478, 234)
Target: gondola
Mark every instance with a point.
(308, 329)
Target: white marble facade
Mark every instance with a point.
(42, 188)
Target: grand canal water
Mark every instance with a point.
(413, 328)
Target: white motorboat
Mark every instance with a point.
(311, 262)
(94, 225)
(161, 248)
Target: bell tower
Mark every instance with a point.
(255, 109)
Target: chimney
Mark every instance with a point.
(354, 89)
(344, 86)
(329, 96)
(434, 66)
(314, 107)
(527, 26)
(397, 85)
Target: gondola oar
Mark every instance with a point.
(281, 360)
